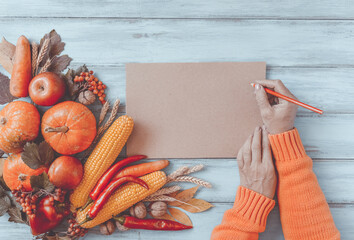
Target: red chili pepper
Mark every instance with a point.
(151, 224)
(107, 177)
(107, 192)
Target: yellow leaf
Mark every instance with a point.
(180, 216)
(196, 205)
(184, 196)
(166, 216)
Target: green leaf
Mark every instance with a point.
(46, 153)
(42, 182)
(16, 215)
(30, 155)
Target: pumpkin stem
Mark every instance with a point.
(22, 177)
(62, 129)
(3, 121)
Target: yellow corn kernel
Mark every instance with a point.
(124, 198)
(102, 157)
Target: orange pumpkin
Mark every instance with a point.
(19, 123)
(69, 127)
(16, 172)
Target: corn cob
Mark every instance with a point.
(102, 157)
(124, 198)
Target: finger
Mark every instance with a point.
(266, 152)
(262, 100)
(240, 161)
(257, 146)
(247, 151)
(278, 86)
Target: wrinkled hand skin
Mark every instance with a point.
(255, 164)
(280, 117)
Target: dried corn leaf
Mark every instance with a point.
(7, 54)
(198, 205)
(184, 196)
(180, 216)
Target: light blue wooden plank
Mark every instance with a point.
(117, 41)
(203, 225)
(180, 9)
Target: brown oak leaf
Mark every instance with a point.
(59, 64)
(5, 95)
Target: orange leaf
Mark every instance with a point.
(184, 196)
(198, 205)
(180, 216)
(166, 216)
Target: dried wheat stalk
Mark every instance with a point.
(34, 57)
(42, 52)
(110, 119)
(179, 172)
(195, 168)
(193, 180)
(103, 113)
(46, 66)
(166, 191)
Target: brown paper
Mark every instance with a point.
(191, 110)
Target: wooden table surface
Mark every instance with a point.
(307, 44)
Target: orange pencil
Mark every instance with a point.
(291, 100)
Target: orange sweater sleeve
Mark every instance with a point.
(247, 217)
(304, 211)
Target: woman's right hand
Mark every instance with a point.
(279, 117)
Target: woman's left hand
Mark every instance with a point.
(255, 164)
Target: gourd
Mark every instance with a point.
(19, 123)
(69, 127)
(17, 173)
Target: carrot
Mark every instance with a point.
(142, 169)
(22, 69)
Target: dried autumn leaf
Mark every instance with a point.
(57, 46)
(42, 182)
(68, 78)
(7, 53)
(16, 215)
(46, 153)
(5, 202)
(166, 216)
(5, 95)
(31, 156)
(184, 196)
(59, 64)
(1, 153)
(180, 216)
(198, 205)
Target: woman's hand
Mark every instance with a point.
(255, 164)
(281, 116)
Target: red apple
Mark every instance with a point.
(66, 172)
(46, 89)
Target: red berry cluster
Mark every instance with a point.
(74, 230)
(96, 86)
(26, 199)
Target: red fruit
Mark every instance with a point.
(46, 89)
(17, 173)
(66, 172)
(48, 216)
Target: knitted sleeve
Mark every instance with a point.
(304, 211)
(247, 217)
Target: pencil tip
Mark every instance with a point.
(252, 84)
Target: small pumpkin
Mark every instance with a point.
(16, 172)
(69, 127)
(19, 123)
